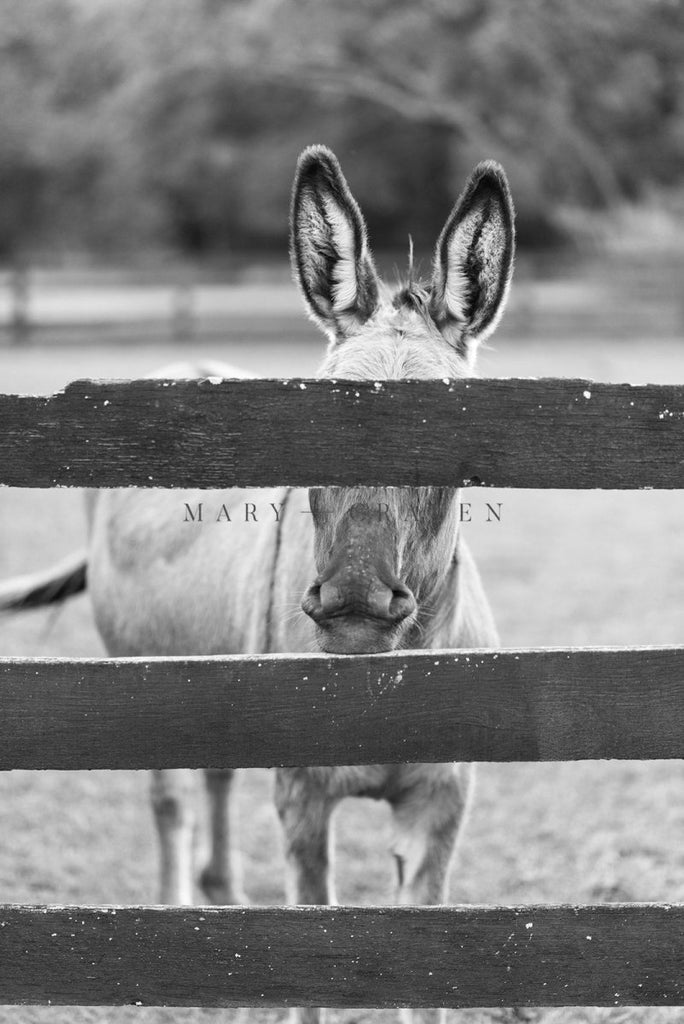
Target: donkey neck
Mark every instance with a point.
(439, 604)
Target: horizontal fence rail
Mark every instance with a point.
(220, 433)
(538, 705)
(343, 956)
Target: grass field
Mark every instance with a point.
(561, 568)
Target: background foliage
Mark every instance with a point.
(128, 125)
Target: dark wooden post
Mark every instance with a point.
(19, 286)
(183, 308)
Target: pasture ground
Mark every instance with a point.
(561, 568)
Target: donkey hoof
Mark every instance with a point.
(219, 890)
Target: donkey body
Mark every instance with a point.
(150, 599)
(372, 581)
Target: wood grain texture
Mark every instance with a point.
(611, 955)
(505, 433)
(538, 705)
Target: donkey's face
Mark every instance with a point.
(383, 554)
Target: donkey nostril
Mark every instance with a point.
(403, 603)
(311, 602)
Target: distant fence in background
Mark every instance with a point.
(118, 305)
(607, 298)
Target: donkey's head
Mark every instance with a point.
(384, 555)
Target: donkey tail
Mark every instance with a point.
(46, 587)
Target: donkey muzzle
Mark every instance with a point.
(358, 601)
(364, 598)
(358, 616)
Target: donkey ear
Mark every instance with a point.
(329, 251)
(474, 259)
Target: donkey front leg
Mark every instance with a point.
(173, 802)
(427, 816)
(220, 879)
(304, 808)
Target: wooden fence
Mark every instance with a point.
(246, 711)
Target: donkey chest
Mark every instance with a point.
(376, 781)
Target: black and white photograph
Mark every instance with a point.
(341, 517)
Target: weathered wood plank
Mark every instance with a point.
(507, 433)
(541, 705)
(611, 955)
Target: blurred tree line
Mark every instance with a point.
(129, 125)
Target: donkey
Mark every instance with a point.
(370, 582)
